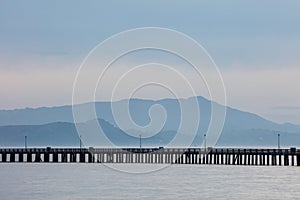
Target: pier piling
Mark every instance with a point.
(216, 156)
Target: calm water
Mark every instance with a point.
(94, 181)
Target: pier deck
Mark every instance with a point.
(216, 156)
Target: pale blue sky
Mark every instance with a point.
(255, 44)
(250, 33)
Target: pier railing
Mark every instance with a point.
(217, 156)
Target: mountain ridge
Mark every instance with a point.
(240, 127)
(20, 111)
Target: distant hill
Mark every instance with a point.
(54, 126)
(53, 134)
(64, 134)
(60, 134)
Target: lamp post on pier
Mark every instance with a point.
(278, 140)
(25, 142)
(205, 142)
(140, 141)
(80, 142)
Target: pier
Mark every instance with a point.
(201, 156)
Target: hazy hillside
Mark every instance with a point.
(54, 134)
(54, 126)
(65, 134)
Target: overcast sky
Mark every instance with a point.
(255, 44)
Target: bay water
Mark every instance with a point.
(98, 181)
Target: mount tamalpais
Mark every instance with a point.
(54, 126)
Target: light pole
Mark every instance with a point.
(140, 141)
(278, 137)
(80, 141)
(25, 142)
(205, 142)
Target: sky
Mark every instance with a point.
(255, 45)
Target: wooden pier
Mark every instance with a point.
(215, 156)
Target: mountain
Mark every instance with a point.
(54, 126)
(53, 134)
(65, 134)
(60, 134)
